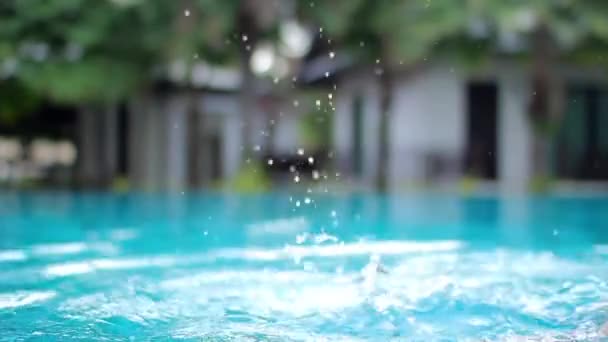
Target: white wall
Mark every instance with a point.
(429, 116)
(176, 132)
(227, 107)
(363, 84)
(286, 136)
(515, 133)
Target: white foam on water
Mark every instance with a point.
(12, 255)
(67, 269)
(22, 298)
(242, 277)
(59, 248)
(116, 264)
(285, 226)
(123, 234)
(294, 293)
(233, 331)
(445, 279)
(75, 268)
(339, 250)
(72, 248)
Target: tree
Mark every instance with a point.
(94, 54)
(554, 33)
(408, 31)
(398, 35)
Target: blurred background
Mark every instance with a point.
(341, 95)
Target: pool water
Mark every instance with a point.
(286, 268)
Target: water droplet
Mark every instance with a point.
(307, 200)
(320, 29)
(315, 174)
(301, 151)
(361, 43)
(311, 160)
(245, 38)
(257, 148)
(275, 80)
(297, 203)
(296, 103)
(318, 103)
(327, 74)
(332, 54)
(270, 161)
(333, 213)
(330, 96)
(205, 233)
(296, 179)
(555, 232)
(187, 13)
(377, 61)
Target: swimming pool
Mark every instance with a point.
(283, 267)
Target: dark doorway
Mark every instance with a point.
(123, 139)
(215, 144)
(581, 150)
(482, 108)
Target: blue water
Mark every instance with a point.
(261, 268)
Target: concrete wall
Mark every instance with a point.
(97, 145)
(158, 146)
(286, 133)
(365, 85)
(429, 118)
(515, 132)
(224, 109)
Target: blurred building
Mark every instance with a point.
(188, 134)
(448, 122)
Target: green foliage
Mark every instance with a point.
(16, 101)
(315, 130)
(415, 29)
(79, 51)
(541, 184)
(252, 178)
